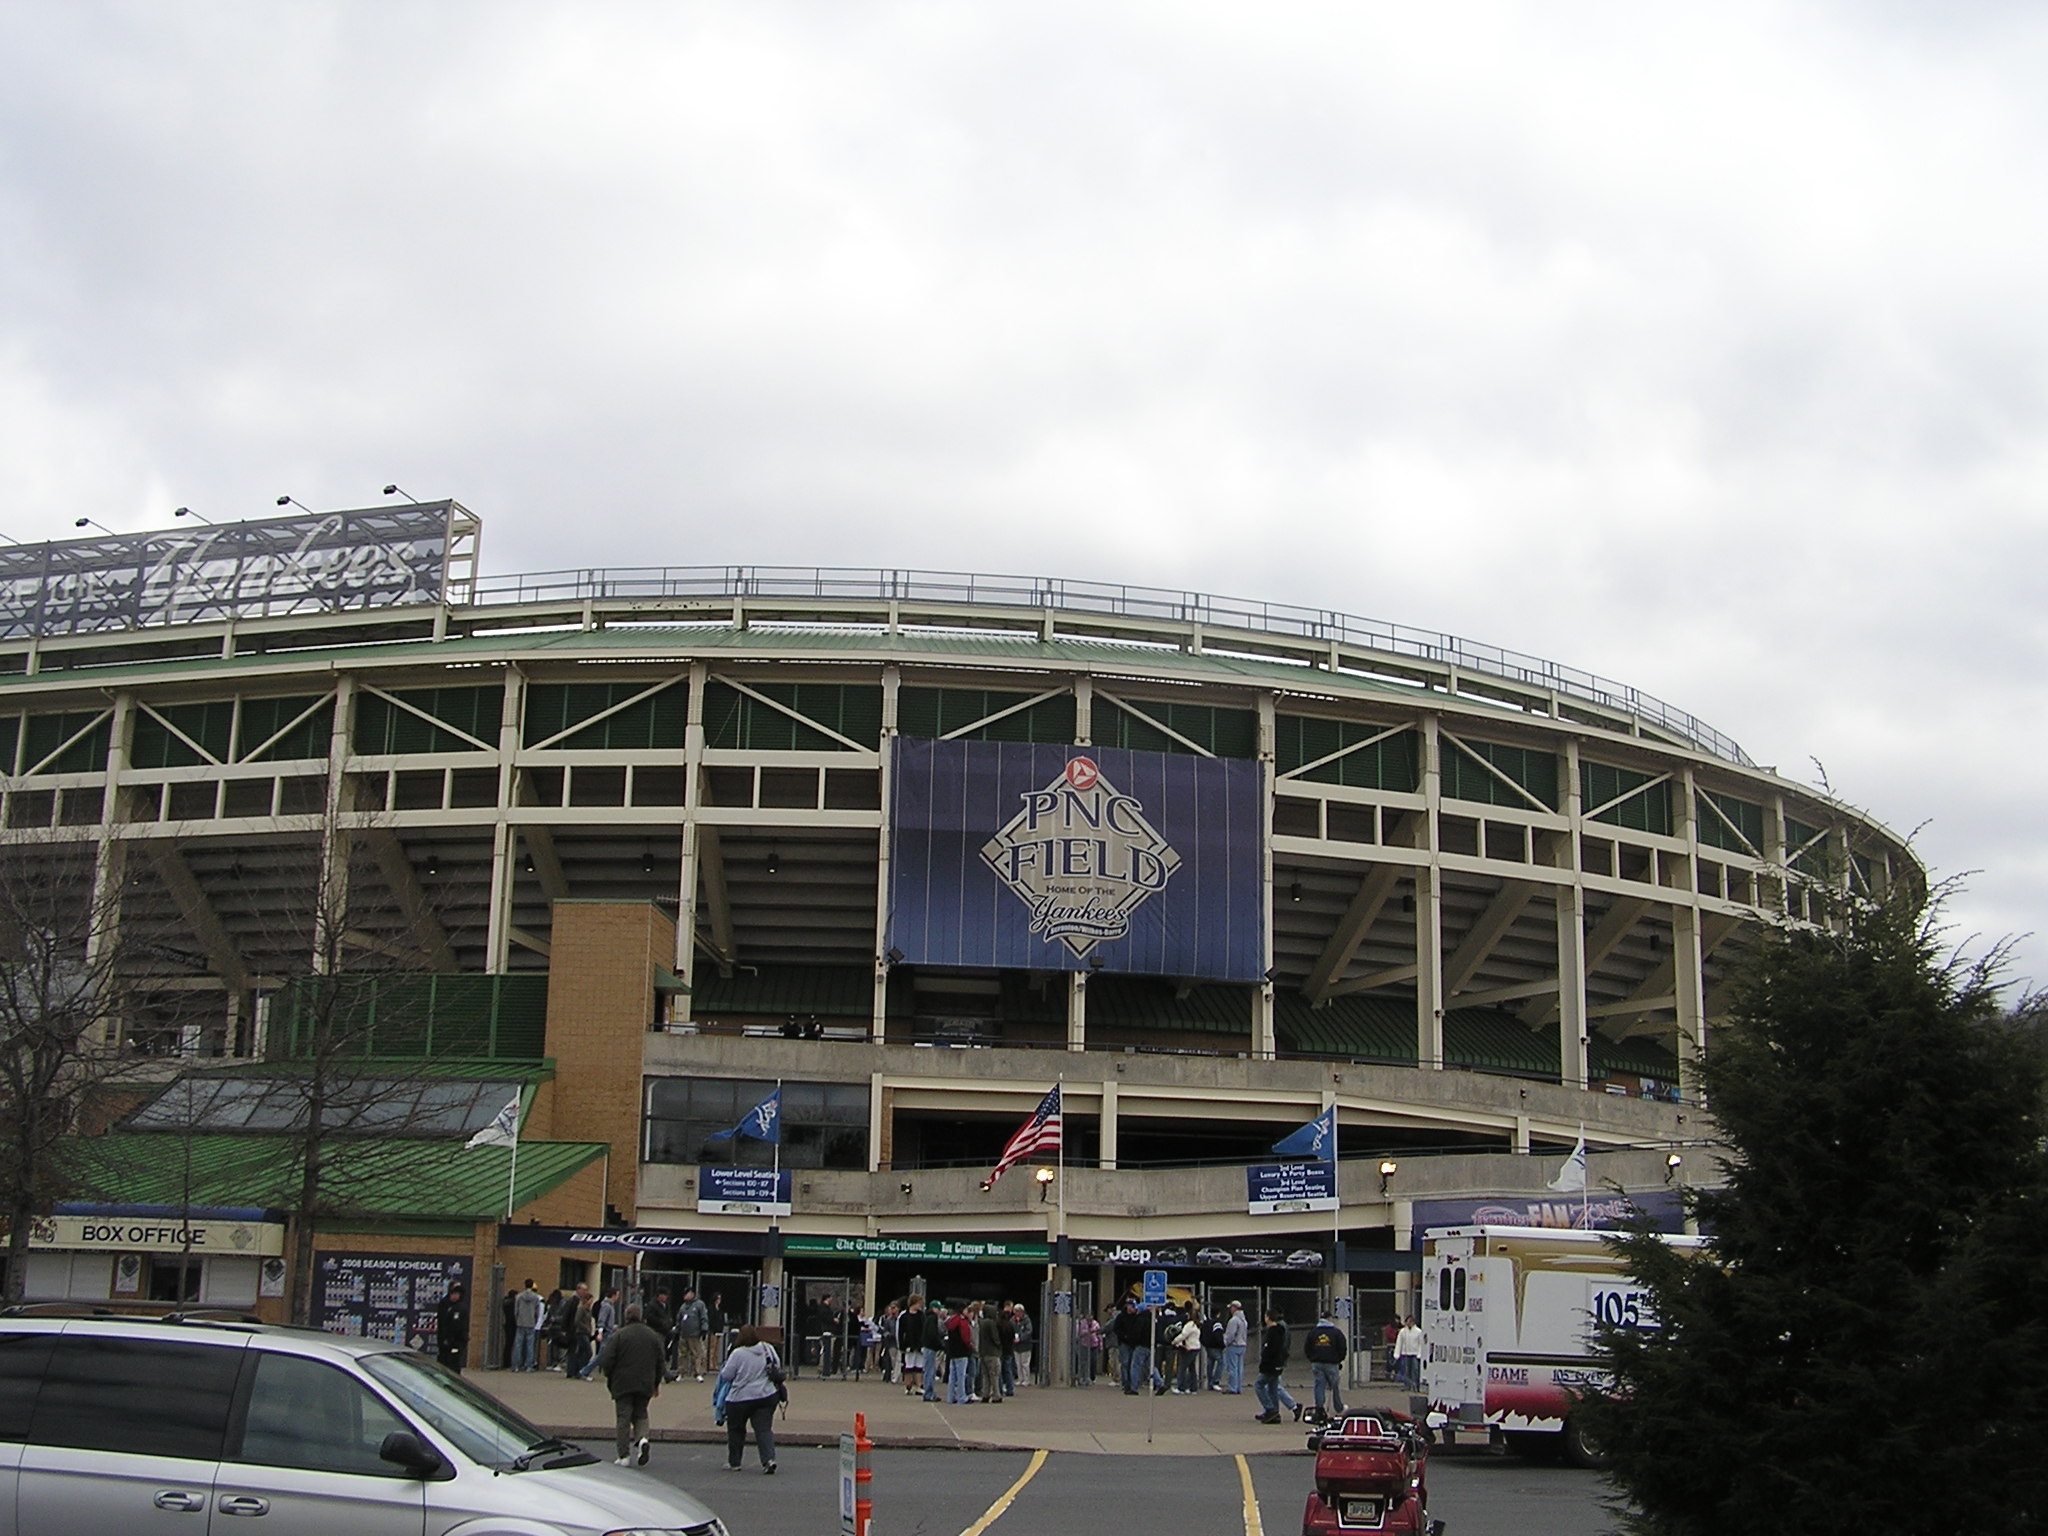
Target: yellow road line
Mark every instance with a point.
(1251, 1500)
(995, 1510)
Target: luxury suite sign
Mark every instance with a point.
(1036, 857)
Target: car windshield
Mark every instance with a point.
(484, 1429)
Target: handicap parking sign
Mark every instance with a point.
(1155, 1287)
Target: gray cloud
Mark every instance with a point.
(1701, 349)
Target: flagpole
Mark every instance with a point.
(775, 1194)
(1585, 1222)
(512, 1177)
(1062, 1149)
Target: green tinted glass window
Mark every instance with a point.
(1738, 827)
(1223, 732)
(737, 721)
(263, 719)
(382, 727)
(1466, 776)
(1640, 805)
(935, 712)
(47, 733)
(658, 722)
(165, 734)
(1392, 764)
(1806, 849)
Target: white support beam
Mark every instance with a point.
(1614, 926)
(1372, 980)
(717, 903)
(1077, 1011)
(686, 887)
(878, 1017)
(199, 915)
(421, 923)
(1429, 913)
(1569, 1005)
(498, 938)
(1364, 910)
(1485, 934)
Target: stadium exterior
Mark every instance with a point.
(1497, 899)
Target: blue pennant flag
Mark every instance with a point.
(1316, 1139)
(763, 1122)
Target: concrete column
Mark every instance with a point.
(877, 1121)
(1084, 711)
(1405, 1303)
(1429, 965)
(331, 900)
(693, 797)
(1573, 1039)
(504, 840)
(1056, 1332)
(1688, 983)
(1077, 1011)
(1264, 1043)
(878, 1023)
(110, 856)
(1521, 1135)
(1429, 912)
(1108, 1159)
(867, 1289)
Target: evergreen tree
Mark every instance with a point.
(1863, 1343)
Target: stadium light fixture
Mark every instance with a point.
(1671, 1166)
(1044, 1177)
(188, 512)
(1294, 891)
(647, 859)
(394, 490)
(774, 860)
(293, 501)
(86, 522)
(433, 862)
(1388, 1168)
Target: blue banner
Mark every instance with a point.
(1277, 1189)
(1035, 857)
(1602, 1212)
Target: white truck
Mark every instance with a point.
(1506, 1323)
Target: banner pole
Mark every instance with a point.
(512, 1177)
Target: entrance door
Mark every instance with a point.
(1217, 1295)
(1297, 1305)
(822, 1336)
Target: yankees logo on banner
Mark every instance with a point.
(1081, 856)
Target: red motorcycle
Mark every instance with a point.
(1371, 1475)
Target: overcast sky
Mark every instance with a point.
(1702, 347)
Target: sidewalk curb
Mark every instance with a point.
(811, 1438)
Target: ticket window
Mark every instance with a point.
(60, 1276)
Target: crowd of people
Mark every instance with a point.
(565, 1330)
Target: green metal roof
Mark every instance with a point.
(400, 1179)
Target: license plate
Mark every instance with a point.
(1360, 1514)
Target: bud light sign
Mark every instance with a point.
(1037, 857)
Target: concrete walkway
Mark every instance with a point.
(1097, 1420)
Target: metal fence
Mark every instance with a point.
(825, 585)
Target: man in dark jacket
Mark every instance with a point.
(451, 1328)
(933, 1341)
(633, 1360)
(1325, 1349)
(692, 1330)
(1006, 1339)
(1133, 1330)
(1273, 1352)
(988, 1346)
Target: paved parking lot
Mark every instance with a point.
(950, 1493)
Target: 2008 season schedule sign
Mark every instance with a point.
(384, 1295)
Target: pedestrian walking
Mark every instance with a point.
(528, 1309)
(451, 1328)
(1408, 1348)
(988, 1339)
(582, 1327)
(1325, 1349)
(634, 1359)
(693, 1321)
(753, 1381)
(604, 1319)
(1235, 1334)
(1273, 1351)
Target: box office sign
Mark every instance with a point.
(940, 1249)
(156, 1234)
(1284, 1189)
(384, 1295)
(743, 1191)
(1035, 857)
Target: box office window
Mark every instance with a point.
(824, 1125)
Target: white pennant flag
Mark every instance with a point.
(503, 1131)
(1572, 1176)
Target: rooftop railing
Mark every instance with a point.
(823, 585)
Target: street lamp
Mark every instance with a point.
(1671, 1166)
(1388, 1167)
(1044, 1177)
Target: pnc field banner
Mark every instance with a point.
(1036, 857)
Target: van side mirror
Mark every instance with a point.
(404, 1448)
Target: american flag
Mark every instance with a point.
(1041, 1133)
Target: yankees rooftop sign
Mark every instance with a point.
(1041, 857)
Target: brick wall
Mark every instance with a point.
(600, 1003)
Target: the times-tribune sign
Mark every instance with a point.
(1036, 857)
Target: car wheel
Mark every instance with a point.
(1580, 1448)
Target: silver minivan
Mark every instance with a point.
(199, 1428)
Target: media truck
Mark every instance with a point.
(1507, 1317)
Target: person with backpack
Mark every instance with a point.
(753, 1380)
(1325, 1350)
(1212, 1346)
(1273, 1351)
